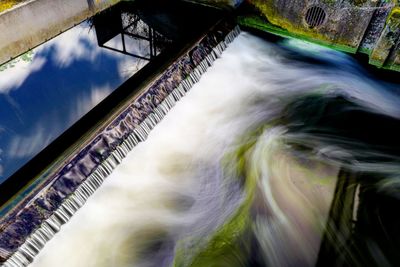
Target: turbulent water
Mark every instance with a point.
(284, 154)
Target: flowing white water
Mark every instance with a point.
(173, 186)
(149, 194)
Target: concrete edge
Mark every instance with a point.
(32, 23)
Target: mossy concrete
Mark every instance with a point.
(263, 25)
(367, 26)
(387, 51)
(345, 22)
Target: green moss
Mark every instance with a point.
(365, 50)
(270, 20)
(222, 250)
(376, 63)
(268, 10)
(395, 13)
(260, 24)
(394, 67)
(380, 54)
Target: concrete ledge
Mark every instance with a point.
(32, 23)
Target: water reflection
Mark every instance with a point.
(46, 90)
(130, 36)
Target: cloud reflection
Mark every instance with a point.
(79, 43)
(54, 85)
(1, 165)
(28, 145)
(86, 102)
(14, 73)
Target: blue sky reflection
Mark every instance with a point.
(43, 92)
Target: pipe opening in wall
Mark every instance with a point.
(315, 16)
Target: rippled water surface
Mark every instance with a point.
(283, 154)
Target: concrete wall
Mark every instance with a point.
(28, 25)
(367, 26)
(345, 23)
(386, 52)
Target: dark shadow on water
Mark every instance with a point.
(362, 229)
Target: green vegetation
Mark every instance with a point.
(223, 249)
(380, 57)
(261, 24)
(7, 4)
(395, 14)
(267, 17)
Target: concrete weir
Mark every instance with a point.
(31, 23)
(57, 185)
(43, 194)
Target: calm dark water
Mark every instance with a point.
(46, 90)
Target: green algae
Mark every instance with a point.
(290, 29)
(381, 54)
(222, 250)
(266, 17)
(395, 13)
(229, 246)
(260, 24)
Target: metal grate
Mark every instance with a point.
(315, 16)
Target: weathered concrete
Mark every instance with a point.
(30, 24)
(386, 52)
(368, 26)
(376, 26)
(345, 22)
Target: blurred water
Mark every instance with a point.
(247, 170)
